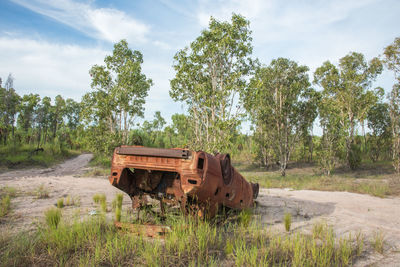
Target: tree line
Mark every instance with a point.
(221, 85)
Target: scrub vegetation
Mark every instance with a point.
(191, 242)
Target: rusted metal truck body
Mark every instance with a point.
(182, 177)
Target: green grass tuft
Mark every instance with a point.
(287, 219)
(42, 192)
(191, 242)
(53, 217)
(5, 205)
(60, 203)
(378, 241)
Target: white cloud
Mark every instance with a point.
(48, 68)
(162, 45)
(106, 24)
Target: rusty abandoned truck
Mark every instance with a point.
(181, 176)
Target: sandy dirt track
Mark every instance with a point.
(346, 212)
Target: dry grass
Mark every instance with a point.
(376, 180)
(6, 194)
(41, 192)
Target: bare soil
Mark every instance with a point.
(348, 213)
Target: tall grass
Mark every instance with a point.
(5, 205)
(22, 155)
(6, 194)
(117, 205)
(191, 242)
(53, 217)
(287, 219)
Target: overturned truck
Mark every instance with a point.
(180, 176)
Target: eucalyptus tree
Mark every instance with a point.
(280, 102)
(333, 134)
(378, 119)
(391, 59)
(119, 91)
(349, 86)
(57, 114)
(27, 115)
(154, 128)
(43, 118)
(210, 78)
(9, 102)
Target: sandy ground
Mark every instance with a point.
(348, 213)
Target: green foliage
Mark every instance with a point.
(60, 203)
(119, 94)
(378, 241)
(346, 96)
(210, 74)
(354, 156)
(392, 62)
(119, 198)
(287, 219)
(117, 206)
(282, 106)
(190, 242)
(5, 205)
(118, 211)
(53, 217)
(103, 204)
(98, 198)
(379, 122)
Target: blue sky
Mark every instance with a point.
(49, 46)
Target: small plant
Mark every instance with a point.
(60, 203)
(41, 192)
(53, 217)
(287, 219)
(378, 241)
(97, 198)
(319, 229)
(118, 206)
(11, 191)
(118, 214)
(228, 247)
(120, 197)
(245, 217)
(103, 204)
(5, 205)
(360, 243)
(69, 201)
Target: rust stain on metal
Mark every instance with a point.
(180, 176)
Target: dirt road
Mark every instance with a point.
(346, 212)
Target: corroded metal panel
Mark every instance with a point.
(181, 176)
